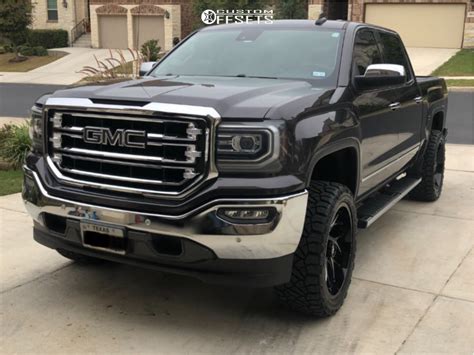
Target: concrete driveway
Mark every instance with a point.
(413, 291)
(426, 60)
(63, 71)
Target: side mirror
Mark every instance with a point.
(380, 75)
(146, 67)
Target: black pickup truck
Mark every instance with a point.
(250, 155)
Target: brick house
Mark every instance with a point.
(129, 23)
(60, 14)
(421, 23)
(115, 23)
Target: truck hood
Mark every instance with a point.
(233, 98)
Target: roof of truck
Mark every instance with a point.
(328, 24)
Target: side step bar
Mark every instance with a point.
(374, 207)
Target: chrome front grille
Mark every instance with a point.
(164, 154)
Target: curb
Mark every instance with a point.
(462, 89)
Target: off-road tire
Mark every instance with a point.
(307, 291)
(432, 172)
(79, 258)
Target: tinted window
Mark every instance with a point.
(366, 52)
(393, 51)
(267, 52)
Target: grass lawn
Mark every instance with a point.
(10, 181)
(461, 64)
(27, 65)
(460, 82)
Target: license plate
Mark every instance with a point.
(103, 236)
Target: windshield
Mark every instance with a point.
(256, 52)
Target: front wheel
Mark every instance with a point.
(324, 259)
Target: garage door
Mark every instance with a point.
(421, 25)
(113, 31)
(148, 27)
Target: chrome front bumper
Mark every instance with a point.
(275, 238)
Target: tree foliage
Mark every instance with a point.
(291, 9)
(15, 17)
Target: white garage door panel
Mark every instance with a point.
(146, 28)
(113, 32)
(421, 25)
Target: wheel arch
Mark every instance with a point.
(343, 156)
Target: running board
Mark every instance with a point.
(374, 207)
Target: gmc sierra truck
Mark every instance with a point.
(250, 154)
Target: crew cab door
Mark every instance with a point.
(378, 121)
(409, 110)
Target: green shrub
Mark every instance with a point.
(15, 143)
(48, 38)
(8, 48)
(26, 50)
(33, 51)
(2, 50)
(150, 50)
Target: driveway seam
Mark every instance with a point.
(10, 210)
(416, 290)
(455, 270)
(36, 278)
(431, 214)
(417, 324)
(460, 170)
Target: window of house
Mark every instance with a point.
(52, 10)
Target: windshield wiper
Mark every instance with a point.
(255, 76)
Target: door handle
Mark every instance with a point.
(394, 106)
(418, 99)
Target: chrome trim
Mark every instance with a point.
(84, 103)
(276, 238)
(122, 156)
(410, 150)
(120, 178)
(395, 106)
(150, 109)
(127, 163)
(81, 183)
(258, 163)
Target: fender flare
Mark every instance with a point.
(329, 148)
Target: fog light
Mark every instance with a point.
(247, 214)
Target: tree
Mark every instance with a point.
(291, 9)
(15, 17)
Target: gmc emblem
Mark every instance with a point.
(120, 137)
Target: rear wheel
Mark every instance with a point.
(324, 260)
(432, 174)
(79, 258)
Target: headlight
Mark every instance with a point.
(246, 146)
(36, 129)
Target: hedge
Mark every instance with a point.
(48, 38)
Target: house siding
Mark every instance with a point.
(68, 17)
